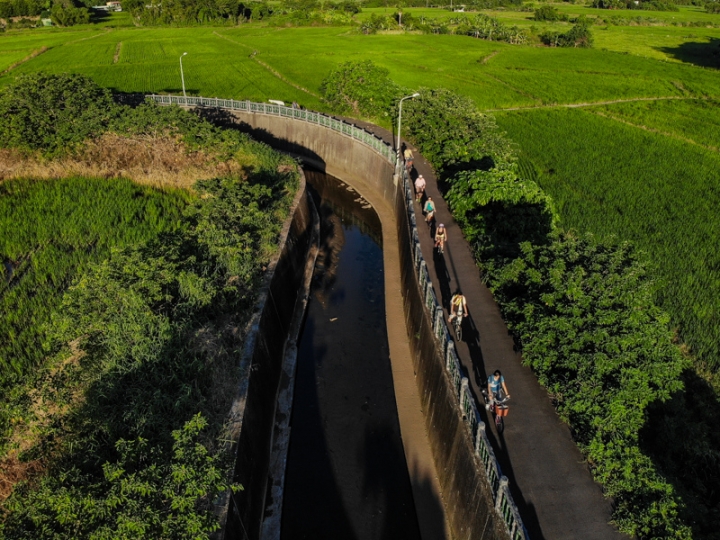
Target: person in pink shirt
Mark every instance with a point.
(419, 187)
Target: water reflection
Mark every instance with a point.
(346, 475)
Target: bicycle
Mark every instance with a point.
(499, 410)
(457, 323)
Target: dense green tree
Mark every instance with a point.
(482, 26)
(452, 133)
(53, 113)
(22, 8)
(69, 15)
(584, 314)
(579, 35)
(547, 12)
(361, 88)
(142, 494)
(498, 211)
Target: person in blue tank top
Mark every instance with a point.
(496, 383)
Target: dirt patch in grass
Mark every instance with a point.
(157, 161)
(12, 471)
(29, 57)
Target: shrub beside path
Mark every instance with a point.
(550, 481)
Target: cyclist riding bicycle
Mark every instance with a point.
(496, 385)
(429, 210)
(440, 237)
(458, 306)
(419, 187)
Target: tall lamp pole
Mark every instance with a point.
(399, 126)
(182, 76)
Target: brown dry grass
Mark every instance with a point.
(157, 161)
(12, 471)
(28, 432)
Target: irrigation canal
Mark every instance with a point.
(346, 474)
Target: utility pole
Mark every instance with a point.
(182, 75)
(397, 162)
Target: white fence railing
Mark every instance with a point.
(504, 504)
(340, 126)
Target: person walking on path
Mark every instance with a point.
(419, 187)
(429, 210)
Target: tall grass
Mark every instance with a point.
(50, 231)
(660, 192)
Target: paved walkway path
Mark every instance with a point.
(550, 480)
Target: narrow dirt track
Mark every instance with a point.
(550, 480)
(591, 104)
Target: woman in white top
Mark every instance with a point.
(419, 187)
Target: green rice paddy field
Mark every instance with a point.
(624, 136)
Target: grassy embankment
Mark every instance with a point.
(49, 233)
(123, 313)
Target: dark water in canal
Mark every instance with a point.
(346, 473)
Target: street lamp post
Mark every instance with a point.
(397, 166)
(182, 75)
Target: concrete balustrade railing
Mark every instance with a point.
(466, 404)
(312, 117)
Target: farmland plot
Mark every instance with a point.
(148, 61)
(662, 193)
(693, 120)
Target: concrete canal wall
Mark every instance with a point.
(253, 411)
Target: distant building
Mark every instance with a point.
(114, 5)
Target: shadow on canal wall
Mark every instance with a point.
(278, 310)
(468, 502)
